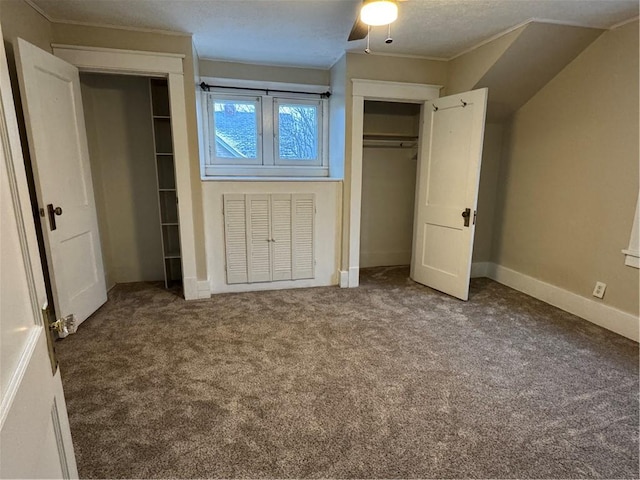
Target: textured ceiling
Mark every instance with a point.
(312, 33)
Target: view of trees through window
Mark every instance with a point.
(298, 132)
(236, 129)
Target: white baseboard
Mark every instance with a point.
(594, 311)
(377, 259)
(344, 279)
(204, 289)
(479, 269)
(354, 277)
(190, 288)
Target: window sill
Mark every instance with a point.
(246, 178)
(217, 171)
(632, 258)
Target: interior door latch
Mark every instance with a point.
(52, 215)
(466, 215)
(65, 326)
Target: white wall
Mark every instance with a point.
(118, 118)
(327, 228)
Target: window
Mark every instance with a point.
(270, 135)
(235, 128)
(297, 128)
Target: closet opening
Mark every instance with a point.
(128, 124)
(389, 168)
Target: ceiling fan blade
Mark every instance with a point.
(359, 30)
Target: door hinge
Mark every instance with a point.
(475, 215)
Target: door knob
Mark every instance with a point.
(52, 215)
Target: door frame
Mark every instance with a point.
(369, 90)
(169, 66)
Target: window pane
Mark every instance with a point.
(298, 131)
(236, 125)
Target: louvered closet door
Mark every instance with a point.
(258, 238)
(269, 237)
(235, 237)
(281, 236)
(303, 232)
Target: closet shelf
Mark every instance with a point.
(390, 137)
(389, 141)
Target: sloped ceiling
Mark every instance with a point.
(536, 55)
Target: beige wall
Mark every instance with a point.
(18, 19)
(570, 175)
(489, 177)
(118, 118)
(463, 72)
(154, 42)
(265, 73)
(388, 187)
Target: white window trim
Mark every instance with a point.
(632, 254)
(268, 168)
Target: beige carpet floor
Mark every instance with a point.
(389, 380)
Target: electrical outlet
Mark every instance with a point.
(599, 290)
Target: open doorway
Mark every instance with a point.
(129, 137)
(448, 172)
(389, 166)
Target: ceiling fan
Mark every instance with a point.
(374, 13)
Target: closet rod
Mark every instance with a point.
(409, 144)
(206, 87)
(388, 146)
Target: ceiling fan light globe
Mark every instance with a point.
(379, 12)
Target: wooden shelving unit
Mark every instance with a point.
(166, 177)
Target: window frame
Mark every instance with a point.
(213, 167)
(277, 101)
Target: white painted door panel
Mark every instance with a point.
(451, 139)
(35, 437)
(51, 98)
(259, 237)
(281, 236)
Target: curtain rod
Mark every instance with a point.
(206, 87)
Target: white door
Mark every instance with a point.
(34, 428)
(451, 140)
(51, 99)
